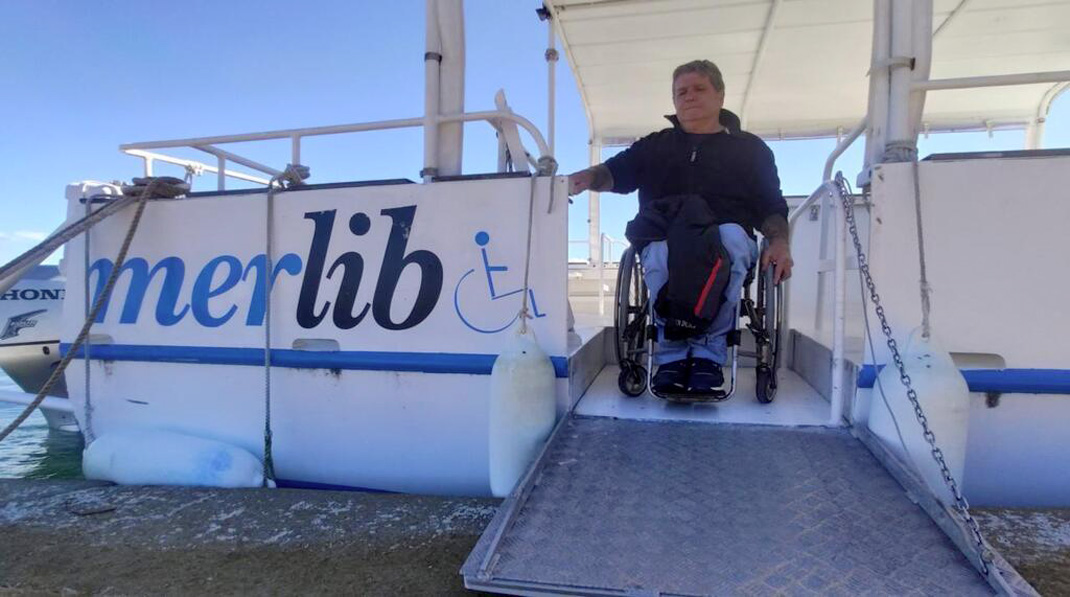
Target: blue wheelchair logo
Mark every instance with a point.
(482, 239)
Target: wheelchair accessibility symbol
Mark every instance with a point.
(489, 311)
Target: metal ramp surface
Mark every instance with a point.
(619, 507)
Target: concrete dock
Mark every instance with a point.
(82, 537)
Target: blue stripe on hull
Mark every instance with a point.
(422, 362)
(289, 484)
(1007, 381)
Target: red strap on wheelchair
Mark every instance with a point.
(707, 287)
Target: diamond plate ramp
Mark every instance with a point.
(640, 507)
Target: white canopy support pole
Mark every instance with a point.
(1035, 135)
(900, 135)
(432, 66)
(1058, 76)
(878, 89)
(923, 58)
(551, 79)
(594, 224)
(450, 15)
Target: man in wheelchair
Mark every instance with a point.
(704, 186)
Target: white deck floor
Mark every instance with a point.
(796, 403)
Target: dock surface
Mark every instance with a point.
(82, 537)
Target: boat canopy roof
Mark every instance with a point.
(798, 68)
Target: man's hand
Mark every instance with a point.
(595, 178)
(579, 182)
(778, 254)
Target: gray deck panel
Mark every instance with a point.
(697, 509)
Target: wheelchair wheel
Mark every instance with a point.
(632, 379)
(770, 310)
(765, 385)
(630, 318)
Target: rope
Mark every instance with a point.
(547, 166)
(166, 189)
(293, 175)
(147, 190)
(524, 314)
(88, 414)
(269, 462)
(926, 289)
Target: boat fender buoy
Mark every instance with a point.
(157, 457)
(522, 410)
(944, 397)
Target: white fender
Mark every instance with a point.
(945, 400)
(522, 410)
(168, 458)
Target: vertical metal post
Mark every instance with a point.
(594, 224)
(839, 315)
(922, 44)
(877, 121)
(601, 276)
(148, 166)
(902, 38)
(449, 17)
(295, 149)
(551, 67)
(221, 175)
(432, 65)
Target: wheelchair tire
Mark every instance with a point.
(632, 379)
(629, 297)
(765, 384)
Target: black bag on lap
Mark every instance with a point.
(698, 265)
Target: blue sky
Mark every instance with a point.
(83, 77)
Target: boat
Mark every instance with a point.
(366, 361)
(29, 341)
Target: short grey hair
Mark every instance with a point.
(702, 67)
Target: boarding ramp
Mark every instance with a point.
(636, 502)
(680, 508)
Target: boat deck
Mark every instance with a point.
(636, 507)
(796, 403)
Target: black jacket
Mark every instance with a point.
(698, 264)
(733, 171)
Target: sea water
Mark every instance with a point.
(33, 451)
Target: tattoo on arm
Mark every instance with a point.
(775, 227)
(601, 178)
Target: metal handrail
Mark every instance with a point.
(207, 144)
(151, 157)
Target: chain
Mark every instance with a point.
(961, 505)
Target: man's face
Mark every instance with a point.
(695, 98)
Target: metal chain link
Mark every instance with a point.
(961, 505)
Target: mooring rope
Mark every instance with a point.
(150, 188)
(926, 289)
(293, 175)
(547, 167)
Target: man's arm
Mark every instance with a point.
(596, 178)
(776, 231)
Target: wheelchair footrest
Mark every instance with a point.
(684, 398)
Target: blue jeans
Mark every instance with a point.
(743, 254)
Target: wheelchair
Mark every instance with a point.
(636, 334)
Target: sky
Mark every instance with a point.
(81, 77)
